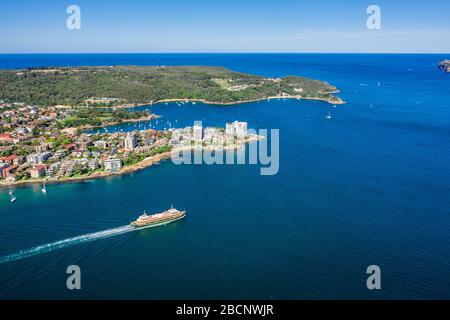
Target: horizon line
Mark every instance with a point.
(217, 52)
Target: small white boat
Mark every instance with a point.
(329, 115)
(13, 199)
(44, 190)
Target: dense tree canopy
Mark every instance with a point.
(138, 84)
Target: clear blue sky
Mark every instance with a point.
(225, 26)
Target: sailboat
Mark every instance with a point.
(43, 190)
(329, 115)
(13, 199)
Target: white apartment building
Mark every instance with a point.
(130, 141)
(113, 165)
(197, 132)
(236, 128)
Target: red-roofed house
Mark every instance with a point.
(38, 171)
(6, 172)
(6, 138)
(9, 159)
(3, 166)
(70, 146)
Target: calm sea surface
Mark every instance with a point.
(369, 186)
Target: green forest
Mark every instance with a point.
(73, 86)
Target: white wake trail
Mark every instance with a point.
(66, 243)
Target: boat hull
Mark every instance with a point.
(156, 223)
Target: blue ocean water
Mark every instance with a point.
(369, 186)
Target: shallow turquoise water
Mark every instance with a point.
(369, 186)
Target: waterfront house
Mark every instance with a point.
(112, 165)
(53, 169)
(93, 164)
(6, 172)
(236, 128)
(38, 171)
(3, 166)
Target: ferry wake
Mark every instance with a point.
(144, 221)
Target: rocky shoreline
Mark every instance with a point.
(298, 97)
(73, 130)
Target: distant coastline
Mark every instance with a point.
(298, 97)
(130, 86)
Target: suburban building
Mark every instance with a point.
(101, 144)
(130, 141)
(6, 172)
(38, 171)
(33, 158)
(229, 129)
(112, 165)
(3, 166)
(36, 158)
(236, 128)
(197, 133)
(93, 164)
(6, 138)
(53, 169)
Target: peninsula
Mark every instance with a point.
(143, 85)
(44, 114)
(35, 149)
